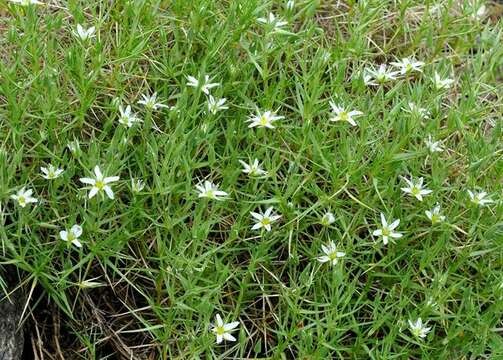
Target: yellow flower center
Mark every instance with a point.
(332, 256)
(385, 231)
(253, 170)
(435, 218)
(408, 67)
(21, 200)
(415, 190)
(210, 194)
(417, 332)
(266, 221)
(264, 120)
(99, 184)
(220, 330)
(344, 116)
(70, 237)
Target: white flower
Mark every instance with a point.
(253, 169)
(408, 66)
(441, 84)
(478, 13)
(23, 197)
(415, 188)
(84, 34)
(222, 330)
(433, 146)
(434, 215)
(264, 119)
(150, 102)
(26, 2)
(127, 117)
(74, 147)
(100, 183)
(479, 198)
(137, 185)
(331, 254)
(290, 4)
(205, 85)
(418, 329)
(386, 231)
(86, 284)
(342, 114)
(328, 219)
(210, 191)
(215, 105)
(264, 220)
(271, 20)
(417, 111)
(379, 76)
(72, 235)
(51, 172)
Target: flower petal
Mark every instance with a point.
(76, 230)
(109, 192)
(218, 320)
(228, 337)
(97, 172)
(87, 181)
(231, 325)
(110, 179)
(93, 192)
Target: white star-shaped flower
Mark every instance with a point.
(137, 185)
(127, 117)
(84, 34)
(387, 231)
(415, 188)
(380, 76)
(264, 220)
(263, 120)
(479, 198)
(215, 105)
(434, 215)
(441, 84)
(210, 191)
(331, 254)
(24, 197)
(72, 235)
(151, 103)
(223, 330)
(205, 85)
(271, 20)
(418, 329)
(328, 219)
(253, 169)
(408, 65)
(51, 172)
(100, 183)
(339, 113)
(416, 111)
(433, 146)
